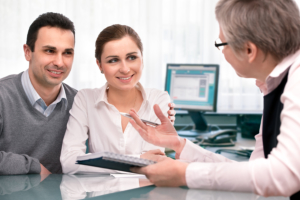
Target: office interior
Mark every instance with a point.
(174, 33)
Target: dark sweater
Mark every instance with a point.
(27, 137)
(271, 121)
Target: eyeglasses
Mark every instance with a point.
(219, 44)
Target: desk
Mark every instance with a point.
(28, 187)
(239, 144)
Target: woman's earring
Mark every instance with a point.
(101, 71)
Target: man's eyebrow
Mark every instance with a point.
(49, 47)
(69, 49)
(54, 48)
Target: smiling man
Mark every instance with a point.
(35, 104)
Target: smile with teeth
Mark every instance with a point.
(126, 78)
(55, 72)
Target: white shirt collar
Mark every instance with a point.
(278, 73)
(284, 65)
(33, 96)
(102, 96)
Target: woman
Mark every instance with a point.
(261, 40)
(95, 114)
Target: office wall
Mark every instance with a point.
(172, 31)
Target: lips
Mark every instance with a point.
(55, 73)
(126, 79)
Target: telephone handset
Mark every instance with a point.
(219, 138)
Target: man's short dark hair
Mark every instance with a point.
(47, 19)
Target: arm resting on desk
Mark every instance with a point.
(195, 153)
(11, 164)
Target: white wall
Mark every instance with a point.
(172, 31)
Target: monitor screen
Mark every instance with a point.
(193, 86)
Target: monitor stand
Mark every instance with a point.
(201, 126)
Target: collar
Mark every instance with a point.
(102, 96)
(278, 73)
(34, 97)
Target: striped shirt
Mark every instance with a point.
(36, 101)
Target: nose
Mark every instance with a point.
(124, 68)
(58, 61)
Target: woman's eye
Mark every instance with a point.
(113, 60)
(132, 57)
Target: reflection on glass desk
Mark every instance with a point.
(57, 187)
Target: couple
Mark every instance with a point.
(35, 104)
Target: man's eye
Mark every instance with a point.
(49, 51)
(132, 57)
(69, 52)
(113, 60)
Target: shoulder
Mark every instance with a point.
(9, 80)
(90, 95)
(156, 96)
(69, 90)
(294, 73)
(292, 88)
(8, 84)
(9, 89)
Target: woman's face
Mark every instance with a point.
(239, 64)
(121, 63)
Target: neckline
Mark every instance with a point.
(21, 89)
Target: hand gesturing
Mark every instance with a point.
(163, 135)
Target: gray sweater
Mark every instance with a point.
(27, 137)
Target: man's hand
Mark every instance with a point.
(163, 135)
(155, 155)
(44, 170)
(171, 113)
(167, 173)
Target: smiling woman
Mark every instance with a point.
(95, 114)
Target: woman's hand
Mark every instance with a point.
(168, 173)
(171, 113)
(155, 155)
(163, 135)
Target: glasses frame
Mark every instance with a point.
(220, 46)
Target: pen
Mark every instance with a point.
(143, 120)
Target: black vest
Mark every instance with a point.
(271, 121)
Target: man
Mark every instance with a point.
(35, 104)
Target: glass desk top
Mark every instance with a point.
(58, 186)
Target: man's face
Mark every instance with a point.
(52, 59)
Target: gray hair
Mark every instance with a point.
(272, 25)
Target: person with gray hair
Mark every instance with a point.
(261, 40)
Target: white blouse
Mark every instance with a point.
(277, 175)
(93, 118)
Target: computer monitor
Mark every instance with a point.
(193, 87)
